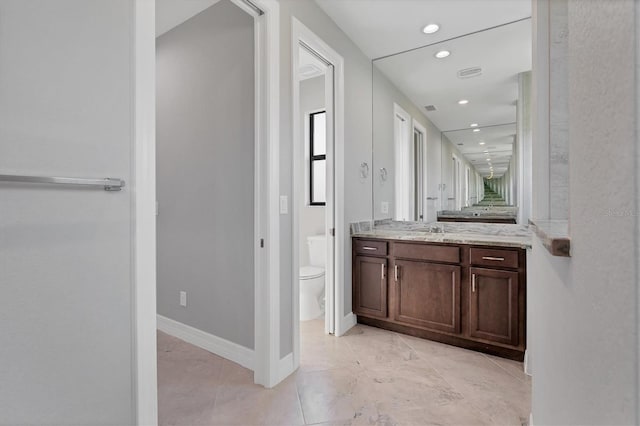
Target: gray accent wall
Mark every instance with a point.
(205, 172)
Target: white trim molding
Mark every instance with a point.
(145, 387)
(348, 321)
(285, 367)
(267, 184)
(214, 344)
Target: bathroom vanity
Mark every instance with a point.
(461, 284)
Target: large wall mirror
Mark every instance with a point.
(449, 124)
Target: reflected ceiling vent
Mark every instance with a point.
(430, 108)
(460, 144)
(470, 72)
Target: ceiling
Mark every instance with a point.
(309, 65)
(498, 141)
(171, 13)
(384, 27)
(476, 35)
(502, 53)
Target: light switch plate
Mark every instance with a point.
(183, 298)
(384, 207)
(284, 204)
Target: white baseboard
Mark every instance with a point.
(285, 367)
(527, 366)
(348, 321)
(214, 344)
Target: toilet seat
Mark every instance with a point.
(311, 272)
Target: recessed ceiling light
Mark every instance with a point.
(473, 125)
(463, 101)
(476, 130)
(431, 28)
(442, 54)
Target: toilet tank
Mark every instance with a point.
(317, 250)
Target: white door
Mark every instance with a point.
(66, 310)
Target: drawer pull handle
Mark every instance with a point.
(498, 259)
(396, 271)
(369, 248)
(382, 271)
(473, 283)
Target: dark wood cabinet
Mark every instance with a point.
(370, 286)
(464, 295)
(493, 305)
(427, 295)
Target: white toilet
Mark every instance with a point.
(312, 281)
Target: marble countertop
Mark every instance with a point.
(483, 212)
(554, 235)
(486, 234)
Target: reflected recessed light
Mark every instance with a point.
(431, 28)
(442, 54)
(476, 130)
(474, 125)
(481, 143)
(463, 101)
(488, 159)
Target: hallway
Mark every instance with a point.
(342, 382)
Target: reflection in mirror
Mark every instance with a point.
(447, 129)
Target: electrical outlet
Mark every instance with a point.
(183, 298)
(384, 207)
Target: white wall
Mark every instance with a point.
(357, 143)
(205, 172)
(585, 324)
(312, 218)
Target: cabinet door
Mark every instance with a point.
(493, 310)
(427, 295)
(370, 287)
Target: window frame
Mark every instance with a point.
(314, 158)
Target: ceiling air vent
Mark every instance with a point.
(430, 108)
(309, 70)
(470, 72)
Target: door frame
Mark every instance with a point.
(301, 35)
(425, 175)
(266, 214)
(402, 136)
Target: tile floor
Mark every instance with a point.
(368, 377)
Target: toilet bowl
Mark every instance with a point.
(311, 292)
(312, 279)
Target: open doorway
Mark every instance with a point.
(213, 185)
(318, 222)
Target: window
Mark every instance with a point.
(318, 158)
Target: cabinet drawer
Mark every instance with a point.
(429, 252)
(500, 258)
(371, 248)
